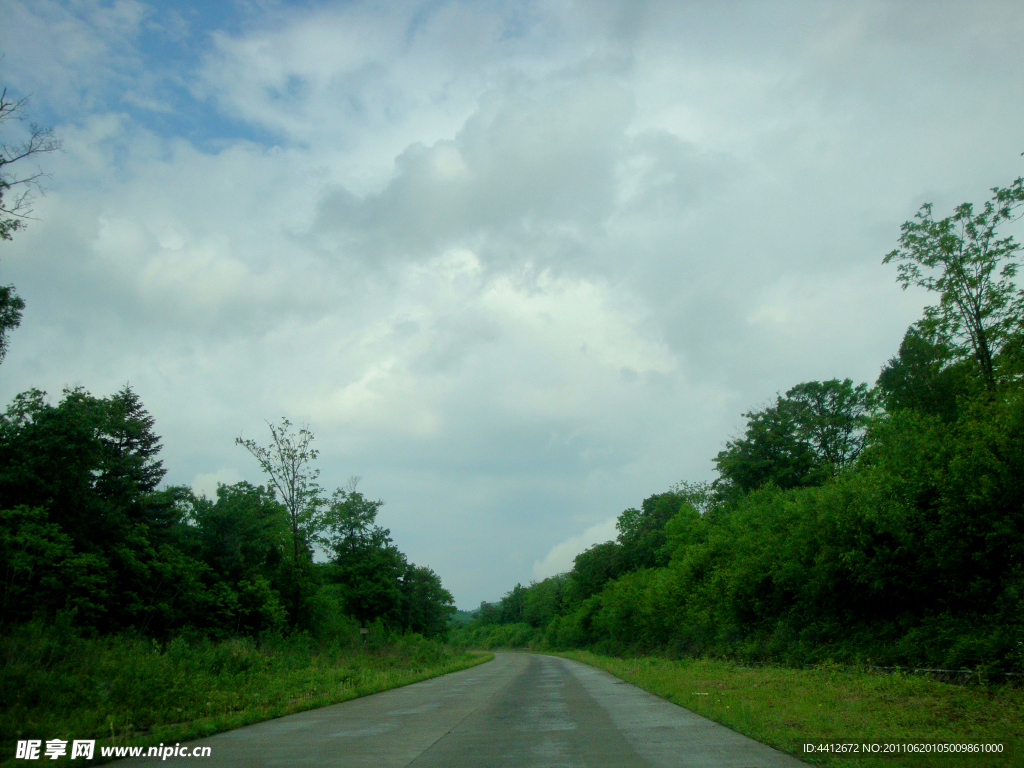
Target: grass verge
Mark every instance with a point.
(787, 708)
(129, 691)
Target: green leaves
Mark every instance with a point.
(971, 268)
(11, 307)
(348, 522)
(287, 462)
(41, 572)
(806, 437)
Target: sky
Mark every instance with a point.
(518, 265)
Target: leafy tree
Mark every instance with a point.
(427, 607)
(513, 604)
(809, 435)
(243, 533)
(365, 562)
(700, 496)
(90, 462)
(769, 451)
(349, 521)
(924, 376)
(11, 307)
(90, 465)
(594, 568)
(243, 537)
(642, 531)
(965, 261)
(830, 416)
(370, 579)
(17, 208)
(487, 614)
(544, 600)
(286, 461)
(40, 572)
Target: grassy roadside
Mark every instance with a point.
(786, 708)
(123, 691)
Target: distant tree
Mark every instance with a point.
(701, 496)
(544, 600)
(427, 607)
(487, 614)
(965, 261)
(512, 605)
(16, 196)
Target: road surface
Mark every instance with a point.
(518, 711)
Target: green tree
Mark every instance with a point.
(427, 607)
(594, 568)
(365, 563)
(544, 600)
(91, 462)
(348, 522)
(964, 260)
(769, 451)
(11, 307)
(642, 531)
(831, 417)
(40, 571)
(243, 536)
(287, 462)
(513, 604)
(243, 533)
(90, 466)
(924, 376)
(809, 435)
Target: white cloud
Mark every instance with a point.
(560, 558)
(205, 483)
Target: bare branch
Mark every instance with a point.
(40, 141)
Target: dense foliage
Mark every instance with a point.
(130, 689)
(86, 531)
(846, 523)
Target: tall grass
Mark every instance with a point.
(130, 690)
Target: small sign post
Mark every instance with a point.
(363, 632)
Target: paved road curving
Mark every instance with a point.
(518, 711)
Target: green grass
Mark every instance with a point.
(789, 707)
(129, 691)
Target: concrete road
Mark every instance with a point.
(519, 711)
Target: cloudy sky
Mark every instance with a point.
(519, 265)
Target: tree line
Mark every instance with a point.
(86, 531)
(880, 524)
